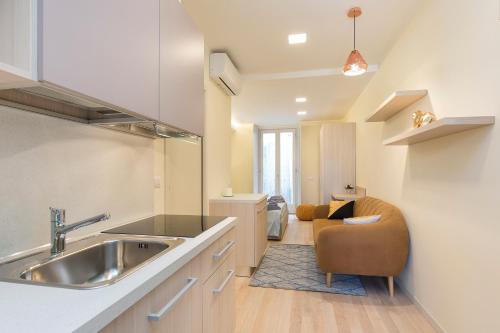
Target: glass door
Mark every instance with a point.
(278, 164)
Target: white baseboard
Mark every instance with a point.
(426, 314)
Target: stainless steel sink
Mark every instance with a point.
(89, 263)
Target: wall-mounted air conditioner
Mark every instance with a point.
(225, 74)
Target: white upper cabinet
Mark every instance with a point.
(108, 50)
(181, 69)
(142, 57)
(17, 43)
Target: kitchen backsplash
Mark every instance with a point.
(46, 161)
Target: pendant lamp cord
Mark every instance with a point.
(355, 31)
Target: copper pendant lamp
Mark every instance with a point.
(355, 64)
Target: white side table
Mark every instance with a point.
(360, 193)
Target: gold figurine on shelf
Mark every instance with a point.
(421, 118)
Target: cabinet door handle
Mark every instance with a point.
(170, 305)
(224, 283)
(220, 254)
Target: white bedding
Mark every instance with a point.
(277, 221)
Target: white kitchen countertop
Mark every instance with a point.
(241, 197)
(30, 308)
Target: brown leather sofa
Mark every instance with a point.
(377, 249)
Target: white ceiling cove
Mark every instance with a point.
(272, 103)
(254, 33)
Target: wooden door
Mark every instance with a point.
(107, 50)
(337, 159)
(181, 69)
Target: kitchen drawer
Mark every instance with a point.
(213, 256)
(219, 308)
(180, 294)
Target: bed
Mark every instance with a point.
(277, 217)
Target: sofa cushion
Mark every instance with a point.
(341, 209)
(319, 224)
(362, 219)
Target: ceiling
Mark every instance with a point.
(254, 34)
(272, 103)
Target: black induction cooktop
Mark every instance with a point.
(169, 225)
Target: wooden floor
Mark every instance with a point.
(267, 310)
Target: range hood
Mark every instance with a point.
(55, 101)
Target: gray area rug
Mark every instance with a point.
(294, 267)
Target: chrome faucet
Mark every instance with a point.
(58, 229)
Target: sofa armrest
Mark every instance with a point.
(321, 212)
(372, 249)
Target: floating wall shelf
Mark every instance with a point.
(439, 128)
(395, 103)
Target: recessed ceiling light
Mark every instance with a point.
(302, 113)
(301, 99)
(297, 38)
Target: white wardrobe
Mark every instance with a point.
(337, 165)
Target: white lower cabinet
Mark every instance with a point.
(251, 229)
(219, 299)
(199, 297)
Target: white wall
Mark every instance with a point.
(447, 188)
(46, 161)
(159, 171)
(217, 140)
(183, 173)
(256, 159)
(242, 158)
